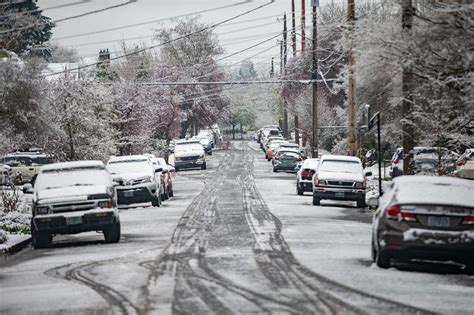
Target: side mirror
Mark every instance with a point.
(118, 181)
(28, 188)
(368, 174)
(158, 170)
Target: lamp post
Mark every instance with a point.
(370, 124)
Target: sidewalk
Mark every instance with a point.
(15, 243)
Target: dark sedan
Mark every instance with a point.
(425, 217)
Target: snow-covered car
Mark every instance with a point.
(304, 176)
(189, 154)
(166, 176)
(137, 180)
(425, 217)
(25, 165)
(73, 197)
(207, 144)
(5, 174)
(285, 160)
(468, 155)
(425, 161)
(466, 171)
(271, 148)
(339, 177)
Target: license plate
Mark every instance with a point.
(74, 220)
(438, 221)
(340, 194)
(128, 193)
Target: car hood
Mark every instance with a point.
(70, 193)
(188, 153)
(340, 176)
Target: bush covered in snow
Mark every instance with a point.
(15, 222)
(3, 237)
(10, 199)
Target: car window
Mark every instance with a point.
(313, 164)
(340, 166)
(183, 147)
(84, 176)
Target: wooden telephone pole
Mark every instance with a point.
(407, 85)
(314, 75)
(351, 101)
(285, 56)
(293, 40)
(303, 25)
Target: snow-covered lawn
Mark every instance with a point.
(15, 225)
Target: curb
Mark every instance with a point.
(16, 247)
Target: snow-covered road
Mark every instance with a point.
(236, 239)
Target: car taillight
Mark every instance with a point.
(395, 162)
(277, 157)
(395, 213)
(468, 220)
(306, 174)
(462, 162)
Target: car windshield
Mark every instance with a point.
(188, 147)
(133, 166)
(340, 166)
(82, 176)
(289, 154)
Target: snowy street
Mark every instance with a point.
(236, 238)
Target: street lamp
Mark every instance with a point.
(370, 124)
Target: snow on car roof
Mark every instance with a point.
(339, 158)
(72, 165)
(434, 190)
(128, 158)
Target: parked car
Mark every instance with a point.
(189, 154)
(466, 171)
(428, 161)
(468, 155)
(285, 160)
(24, 165)
(167, 176)
(73, 197)
(267, 133)
(6, 175)
(271, 147)
(425, 217)
(339, 178)
(136, 179)
(304, 176)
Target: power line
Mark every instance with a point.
(172, 40)
(95, 11)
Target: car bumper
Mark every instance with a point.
(131, 195)
(428, 244)
(339, 193)
(76, 221)
(189, 164)
(306, 185)
(285, 167)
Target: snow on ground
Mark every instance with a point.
(15, 225)
(334, 241)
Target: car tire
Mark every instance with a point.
(40, 239)
(361, 203)
(382, 259)
(155, 201)
(299, 191)
(316, 201)
(171, 194)
(204, 166)
(112, 233)
(275, 170)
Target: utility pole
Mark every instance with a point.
(293, 40)
(303, 25)
(407, 100)
(351, 101)
(285, 54)
(314, 72)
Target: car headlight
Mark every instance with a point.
(42, 210)
(177, 158)
(359, 185)
(105, 204)
(145, 180)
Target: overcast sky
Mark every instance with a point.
(234, 36)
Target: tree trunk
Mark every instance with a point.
(233, 132)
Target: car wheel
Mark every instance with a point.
(373, 251)
(299, 191)
(361, 203)
(204, 166)
(275, 170)
(171, 194)
(382, 259)
(316, 201)
(112, 233)
(155, 201)
(40, 239)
